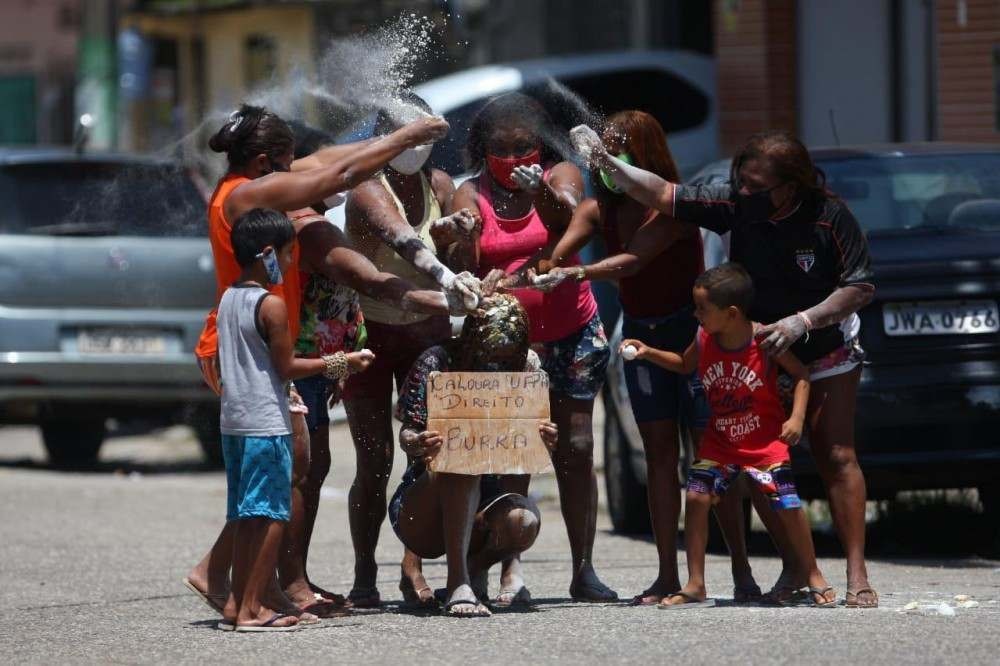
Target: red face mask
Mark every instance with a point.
(501, 167)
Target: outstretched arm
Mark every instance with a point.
(372, 208)
(684, 364)
(293, 190)
(328, 155)
(645, 187)
(325, 250)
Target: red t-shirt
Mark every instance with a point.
(746, 412)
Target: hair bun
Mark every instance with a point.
(239, 126)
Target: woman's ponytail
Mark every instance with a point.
(251, 131)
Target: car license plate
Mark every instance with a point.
(940, 318)
(120, 341)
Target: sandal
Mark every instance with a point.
(649, 598)
(820, 592)
(783, 596)
(851, 598)
(522, 597)
(268, 626)
(480, 610)
(690, 601)
(412, 598)
(214, 601)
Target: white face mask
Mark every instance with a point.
(411, 160)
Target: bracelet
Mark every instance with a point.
(336, 366)
(581, 273)
(806, 319)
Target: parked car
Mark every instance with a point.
(929, 402)
(106, 275)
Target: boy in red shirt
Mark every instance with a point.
(747, 430)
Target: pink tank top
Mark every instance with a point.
(507, 245)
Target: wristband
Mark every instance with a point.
(806, 319)
(581, 273)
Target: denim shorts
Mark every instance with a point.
(776, 481)
(576, 364)
(315, 392)
(657, 394)
(258, 476)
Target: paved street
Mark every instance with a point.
(90, 569)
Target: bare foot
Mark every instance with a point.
(266, 617)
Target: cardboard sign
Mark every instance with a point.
(489, 422)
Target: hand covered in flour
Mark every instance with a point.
(463, 292)
(782, 334)
(421, 445)
(549, 281)
(587, 143)
(460, 225)
(426, 129)
(528, 178)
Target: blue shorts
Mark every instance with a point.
(657, 394)
(576, 364)
(258, 476)
(315, 392)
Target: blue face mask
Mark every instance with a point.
(271, 265)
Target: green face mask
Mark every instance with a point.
(606, 179)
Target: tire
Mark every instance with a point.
(204, 420)
(627, 502)
(73, 442)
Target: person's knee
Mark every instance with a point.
(696, 500)
(837, 459)
(575, 452)
(522, 526)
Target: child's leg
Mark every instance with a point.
(790, 528)
(705, 479)
(263, 557)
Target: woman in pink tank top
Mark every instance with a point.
(526, 201)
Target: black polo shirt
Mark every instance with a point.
(795, 263)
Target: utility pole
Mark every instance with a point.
(97, 81)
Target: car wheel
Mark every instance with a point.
(73, 442)
(204, 420)
(627, 501)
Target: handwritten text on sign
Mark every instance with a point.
(489, 421)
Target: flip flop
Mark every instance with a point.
(654, 598)
(849, 604)
(692, 602)
(520, 598)
(776, 596)
(411, 597)
(820, 592)
(333, 598)
(367, 597)
(481, 610)
(266, 626)
(204, 596)
(225, 625)
(323, 609)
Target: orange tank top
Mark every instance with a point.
(227, 271)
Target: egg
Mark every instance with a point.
(629, 353)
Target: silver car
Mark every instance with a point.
(106, 275)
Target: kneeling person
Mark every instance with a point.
(470, 519)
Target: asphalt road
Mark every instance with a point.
(91, 563)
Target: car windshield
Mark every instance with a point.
(95, 198)
(895, 193)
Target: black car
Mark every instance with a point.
(929, 401)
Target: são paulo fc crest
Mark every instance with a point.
(805, 259)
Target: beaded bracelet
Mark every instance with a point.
(336, 366)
